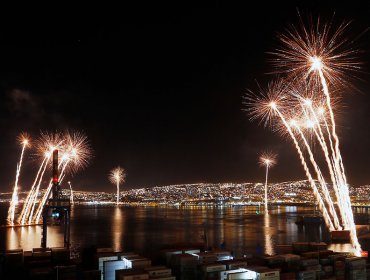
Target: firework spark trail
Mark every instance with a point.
(320, 178)
(328, 104)
(347, 209)
(322, 207)
(267, 172)
(342, 203)
(62, 173)
(349, 215)
(333, 178)
(344, 190)
(339, 180)
(268, 160)
(333, 173)
(336, 155)
(14, 201)
(27, 203)
(347, 202)
(30, 216)
(46, 195)
(329, 137)
(320, 137)
(42, 202)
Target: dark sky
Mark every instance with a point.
(158, 90)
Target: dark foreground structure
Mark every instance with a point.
(301, 260)
(57, 206)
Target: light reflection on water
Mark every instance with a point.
(30, 237)
(269, 232)
(146, 229)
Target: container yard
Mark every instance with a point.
(300, 261)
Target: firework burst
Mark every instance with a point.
(74, 154)
(78, 150)
(306, 48)
(261, 106)
(48, 142)
(315, 59)
(267, 159)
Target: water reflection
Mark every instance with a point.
(13, 239)
(24, 237)
(147, 229)
(117, 229)
(30, 237)
(269, 249)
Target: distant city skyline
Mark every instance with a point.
(283, 192)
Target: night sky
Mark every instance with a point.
(158, 90)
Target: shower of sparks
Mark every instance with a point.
(267, 159)
(262, 106)
(316, 61)
(319, 46)
(78, 150)
(117, 176)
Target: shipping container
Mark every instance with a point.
(110, 267)
(159, 272)
(91, 275)
(131, 274)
